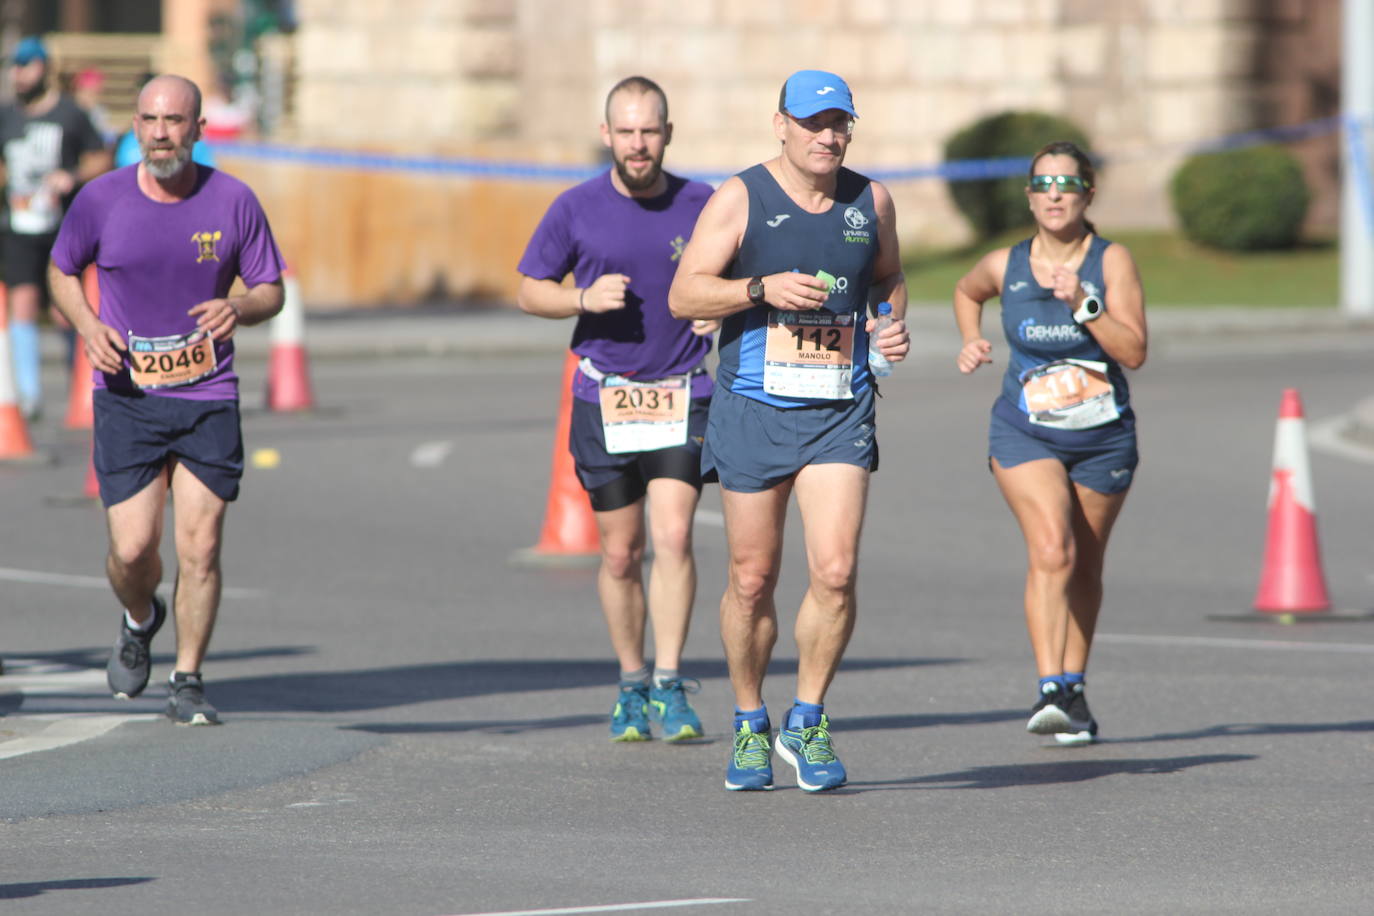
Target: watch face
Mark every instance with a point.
(755, 289)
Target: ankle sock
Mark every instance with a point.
(1073, 679)
(804, 715)
(757, 718)
(1057, 680)
(145, 625)
(663, 675)
(640, 676)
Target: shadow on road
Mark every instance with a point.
(1242, 729)
(34, 888)
(1042, 774)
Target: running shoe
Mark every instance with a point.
(810, 752)
(186, 703)
(1047, 715)
(751, 762)
(630, 716)
(669, 707)
(1082, 726)
(130, 663)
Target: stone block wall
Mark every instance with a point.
(525, 80)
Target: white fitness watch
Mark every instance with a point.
(1088, 310)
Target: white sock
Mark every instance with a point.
(140, 627)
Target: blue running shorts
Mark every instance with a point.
(616, 481)
(754, 446)
(1102, 459)
(137, 436)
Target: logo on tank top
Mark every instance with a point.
(855, 219)
(1018, 285)
(205, 245)
(678, 244)
(776, 221)
(1048, 333)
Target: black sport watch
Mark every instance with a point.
(755, 290)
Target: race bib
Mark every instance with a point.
(1069, 394)
(170, 362)
(33, 214)
(644, 416)
(809, 355)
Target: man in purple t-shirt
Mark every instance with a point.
(640, 395)
(168, 238)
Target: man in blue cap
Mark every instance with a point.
(48, 147)
(791, 255)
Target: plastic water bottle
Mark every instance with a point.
(877, 363)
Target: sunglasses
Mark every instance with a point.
(1069, 184)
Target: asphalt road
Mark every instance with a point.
(413, 726)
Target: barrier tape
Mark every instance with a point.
(957, 170)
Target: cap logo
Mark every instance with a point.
(825, 90)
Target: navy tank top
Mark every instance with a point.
(1040, 331)
(781, 236)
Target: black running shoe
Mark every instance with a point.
(186, 703)
(1082, 726)
(1048, 716)
(127, 671)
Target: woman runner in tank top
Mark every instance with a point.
(1062, 443)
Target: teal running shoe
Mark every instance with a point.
(751, 763)
(630, 717)
(810, 752)
(669, 707)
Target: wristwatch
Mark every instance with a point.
(755, 290)
(1088, 310)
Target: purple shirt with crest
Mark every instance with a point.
(592, 229)
(155, 261)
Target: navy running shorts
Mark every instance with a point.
(616, 481)
(754, 446)
(1104, 459)
(138, 435)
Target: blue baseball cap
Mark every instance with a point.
(807, 92)
(28, 50)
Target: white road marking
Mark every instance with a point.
(34, 678)
(1325, 436)
(1278, 645)
(64, 731)
(430, 454)
(617, 907)
(34, 577)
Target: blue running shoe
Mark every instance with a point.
(630, 717)
(668, 705)
(751, 763)
(810, 752)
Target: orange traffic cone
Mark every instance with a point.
(288, 370)
(14, 432)
(569, 536)
(80, 410)
(1291, 580)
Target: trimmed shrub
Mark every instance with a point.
(998, 204)
(1241, 200)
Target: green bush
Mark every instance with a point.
(1241, 200)
(995, 205)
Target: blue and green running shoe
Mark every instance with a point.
(751, 764)
(668, 705)
(630, 717)
(809, 750)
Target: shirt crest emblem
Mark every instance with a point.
(205, 245)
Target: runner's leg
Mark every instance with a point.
(673, 573)
(748, 615)
(198, 516)
(620, 581)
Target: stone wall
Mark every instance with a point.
(525, 80)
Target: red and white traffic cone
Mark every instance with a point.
(1291, 581)
(288, 368)
(569, 536)
(15, 443)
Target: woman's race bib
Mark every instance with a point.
(809, 355)
(1069, 394)
(644, 416)
(170, 362)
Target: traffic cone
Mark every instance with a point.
(288, 369)
(1291, 581)
(14, 432)
(80, 408)
(569, 536)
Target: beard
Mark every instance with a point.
(162, 169)
(639, 183)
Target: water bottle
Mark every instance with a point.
(877, 363)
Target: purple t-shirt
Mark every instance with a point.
(593, 229)
(155, 261)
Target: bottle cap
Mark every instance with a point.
(884, 308)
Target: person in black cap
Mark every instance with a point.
(50, 147)
(792, 254)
